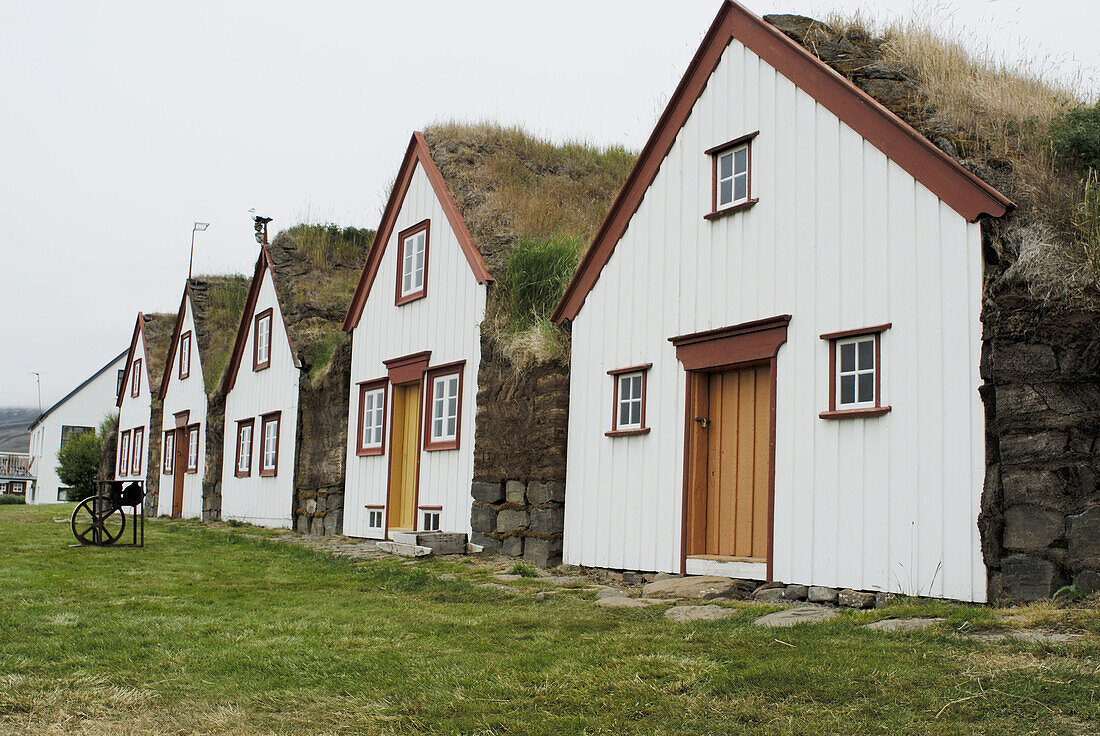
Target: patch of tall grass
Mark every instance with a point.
(321, 244)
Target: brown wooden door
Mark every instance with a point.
(729, 446)
(179, 470)
(404, 457)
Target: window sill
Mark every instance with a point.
(439, 446)
(626, 432)
(369, 452)
(263, 366)
(242, 474)
(403, 300)
(873, 411)
(191, 471)
(268, 473)
(731, 210)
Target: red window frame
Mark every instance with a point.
(136, 452)
(715, 153)
(430, 375)
(615, 374)
(124, 453)
(269, 315)
(193, 446)
(251, 424)
(274, 417)
(364, 388)
(864, 411)
(168, 459)
(185, 350)
(135, 379)
(425, 226)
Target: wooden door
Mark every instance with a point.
(729, 463)
(404, 457)
(179, 470)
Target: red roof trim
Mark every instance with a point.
(417, 152)
(139, 329)
(263, 263)
(958, 188)
(172, 343)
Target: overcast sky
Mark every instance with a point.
(123, 122)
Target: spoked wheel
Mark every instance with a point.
(96, 521)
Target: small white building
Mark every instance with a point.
(201, 331)
(15, 474)
(261, 410)
(81, 410)
(782, 313)
(138, 405)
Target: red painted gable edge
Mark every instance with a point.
(417, 152)
(958, 188)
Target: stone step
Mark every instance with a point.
(440, 543)
(403, 549)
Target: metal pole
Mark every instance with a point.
(38, 378)
(191, 260)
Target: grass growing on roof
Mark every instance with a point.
(222, 630)
(323, 243)
(220, 300)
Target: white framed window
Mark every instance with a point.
(412, 262)
(374, 517)
(855, 370)
(444, 426)
(185, 355)
(193, 448)
(261, 356)
(244, 447)
(124, 453)
(732, 184)
(269, 450)
(135, 379)
(169, 452)
(629, 404)
(430, 520)
(139, 447)
(372, 417)
(855, 373)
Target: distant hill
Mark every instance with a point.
(14, 436)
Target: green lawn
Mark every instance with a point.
(218, 631)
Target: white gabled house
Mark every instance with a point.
(201, 334)
(261, 410)
(138, 405)
(80, 411)
(415, 322)
(776, 339)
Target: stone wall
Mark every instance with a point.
(152, 459)
(1040, 518)
(215, 447)
(322, 444)
(519, 458)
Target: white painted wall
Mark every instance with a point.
(136, 412)
(841, 238)
(265, 501)
(447, 322)
(85, 408)
(187, 394)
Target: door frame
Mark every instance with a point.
(179, 474)
(730, 348)
(402, 372)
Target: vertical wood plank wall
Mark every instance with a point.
(186, 395)
(841, 238)
(136, 411)
(448, 323)
(265, 501)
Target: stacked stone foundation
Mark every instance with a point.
(520, 519)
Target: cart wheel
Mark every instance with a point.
(96, 521)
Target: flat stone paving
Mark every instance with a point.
(904, 624)
(807, 614)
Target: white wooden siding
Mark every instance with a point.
(135, 412)
(841, 238)
(255, 499)
(448, 322)
(188, 394)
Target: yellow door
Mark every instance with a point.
(729, 462)
(404, 456)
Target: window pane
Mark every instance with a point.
(740, 188)
(636, 412)
(866, 387)
(741, 160)
(866, 355)
(725, 166)
(848, 357)
(847, 389)
(725, 192)
(624, 413)
(451, 421)
(636, 390)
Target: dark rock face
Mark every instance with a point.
(215, 446)
(322, 444)
(519, 458)
(1040, 520)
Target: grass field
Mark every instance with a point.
(219, 630)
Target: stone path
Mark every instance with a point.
(904, 624)
(688, 614)
(810, 613)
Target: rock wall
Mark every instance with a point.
(1040, 518)
(215, 447)
(322, 444)
(519, 458)
(152, 459)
